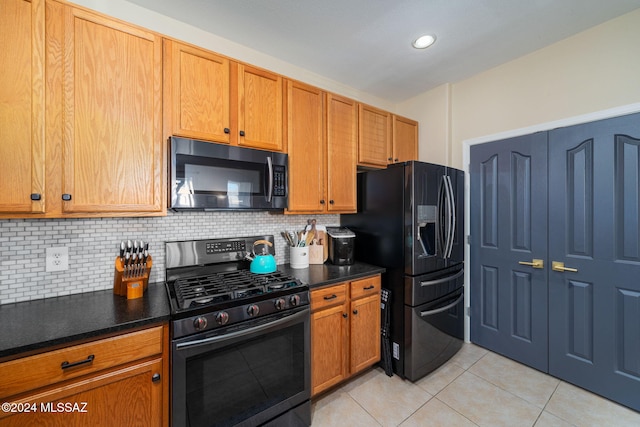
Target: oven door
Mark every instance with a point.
(244, 375)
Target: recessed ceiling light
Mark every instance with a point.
(424, 42)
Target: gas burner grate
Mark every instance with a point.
(228, 285)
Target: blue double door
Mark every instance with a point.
(555, 253)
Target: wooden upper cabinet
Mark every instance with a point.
(260, 96)
(196, 93)
(405, 139)
(22, 106)
(342, 134)
(211, 98)
(305, 142)
(112, 95)
(374, 136)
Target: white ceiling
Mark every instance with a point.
(366, 44)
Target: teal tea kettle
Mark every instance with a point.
(264, 263)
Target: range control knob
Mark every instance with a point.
(253, 310)
(222, 318)
(294, 300)
(280, 303)
(200, 323)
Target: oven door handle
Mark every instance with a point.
(441, 309)
(243, 332)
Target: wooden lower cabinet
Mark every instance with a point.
(364, 335)
(329, 346)
(345, 331)
(130, 393)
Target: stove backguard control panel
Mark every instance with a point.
(211, 251)
(221, 247)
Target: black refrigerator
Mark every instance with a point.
(410, 220)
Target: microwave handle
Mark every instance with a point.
(269, 179)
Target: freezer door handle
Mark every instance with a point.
(441, 309)
(442, 280)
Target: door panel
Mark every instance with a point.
(508, 226)
(627, 201)
(593, 228)
(522, 291)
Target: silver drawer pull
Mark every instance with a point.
(441, 309)
(442, 280)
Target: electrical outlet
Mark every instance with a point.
(57, 259)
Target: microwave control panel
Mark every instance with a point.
(279, 181)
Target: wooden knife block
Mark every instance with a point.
(134, 286)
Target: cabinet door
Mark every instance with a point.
(125, 397)
(405, 139)
(329, 335)
(305, 120)
(112, 150)
(22, 106)
(198, 98)
(342, 119)
(374, 137)
(365, 332)
(260, 97)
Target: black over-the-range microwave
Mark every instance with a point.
(209, 176)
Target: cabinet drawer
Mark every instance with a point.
(329, 296)
(44, 369)
(365, 287)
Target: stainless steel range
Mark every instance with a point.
(240, 340)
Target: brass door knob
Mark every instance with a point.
(559, 266)
(535, 263)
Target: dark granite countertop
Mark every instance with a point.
(33, 326)
(317, 275)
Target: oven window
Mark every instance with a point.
(234, 383)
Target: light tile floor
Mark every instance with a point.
(475, 388)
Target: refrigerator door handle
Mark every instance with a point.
(451, 220)
(442, 243)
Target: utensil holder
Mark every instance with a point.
(299, 256)
(129, 281)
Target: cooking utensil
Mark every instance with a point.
(288, 238)
(309, 238)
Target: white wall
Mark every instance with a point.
(598, 69)
(433, 111)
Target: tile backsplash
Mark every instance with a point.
(93, 245)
